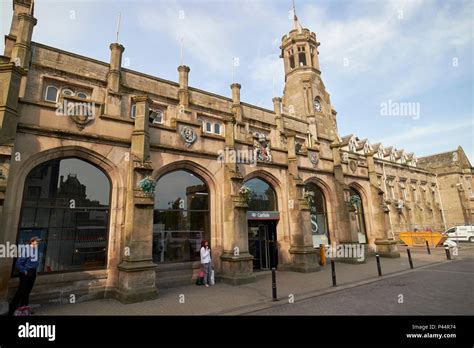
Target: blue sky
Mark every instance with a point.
(371, 52)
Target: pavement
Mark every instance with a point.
(296, 288)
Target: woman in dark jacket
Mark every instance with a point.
(26, 265)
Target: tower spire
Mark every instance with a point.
(296, 23)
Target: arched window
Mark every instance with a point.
(263, 196)
(181, 217)
(67, 91)
(217, 128)
(208, 127)
(133, 111)
(357, 215)
(319, 218)
(66, 203)
(51, 94)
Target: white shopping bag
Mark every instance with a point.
(212, 277)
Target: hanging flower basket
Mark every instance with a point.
(147, 184)
(245, 193)
(354, 201)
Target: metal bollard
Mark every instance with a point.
(428, 247)
(379, 268)
(448, 253)
(274, 285)
(409, 258)
(333, 272)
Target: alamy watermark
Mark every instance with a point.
(10, 250)
(237, 156)
(405, 109)
(75, 108)
(346, 251)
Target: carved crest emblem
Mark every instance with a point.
(313, 158)
(261, 148)
(353, 166)
(188, 135)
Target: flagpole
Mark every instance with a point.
(118, 26)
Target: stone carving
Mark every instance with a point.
(353, 166)
(261, 148)
(188, 135)
(313, 157)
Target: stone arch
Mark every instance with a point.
(329, 198)
(210, 181)
(365, 207)
(272, 181)
(108, 168)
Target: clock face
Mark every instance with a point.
(317, 105)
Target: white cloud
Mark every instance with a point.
(433, 137)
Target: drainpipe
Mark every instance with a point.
(440, 202)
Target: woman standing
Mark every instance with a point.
(206, 262)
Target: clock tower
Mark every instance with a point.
(304, 95)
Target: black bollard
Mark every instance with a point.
(274, 285)
(409, 258)
(379, 268)
(428, 247)
(448, 253)
(333, 272)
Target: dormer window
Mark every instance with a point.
(51, 94)
(352, 145)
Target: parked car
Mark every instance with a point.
(461, 233)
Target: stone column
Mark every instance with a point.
(236, 107)
(303, 254)
(344, 233)
(21, 52)
(236, 261)
(10, 82)
(385, 244)
(278, 119)
(137, 270)
(113, 106)
(183, 93)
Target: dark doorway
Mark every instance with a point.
(262, 244)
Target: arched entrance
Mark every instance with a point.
(319, 218)
(356, 215)
(181, 217)
(66, 202)
(262, 219)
